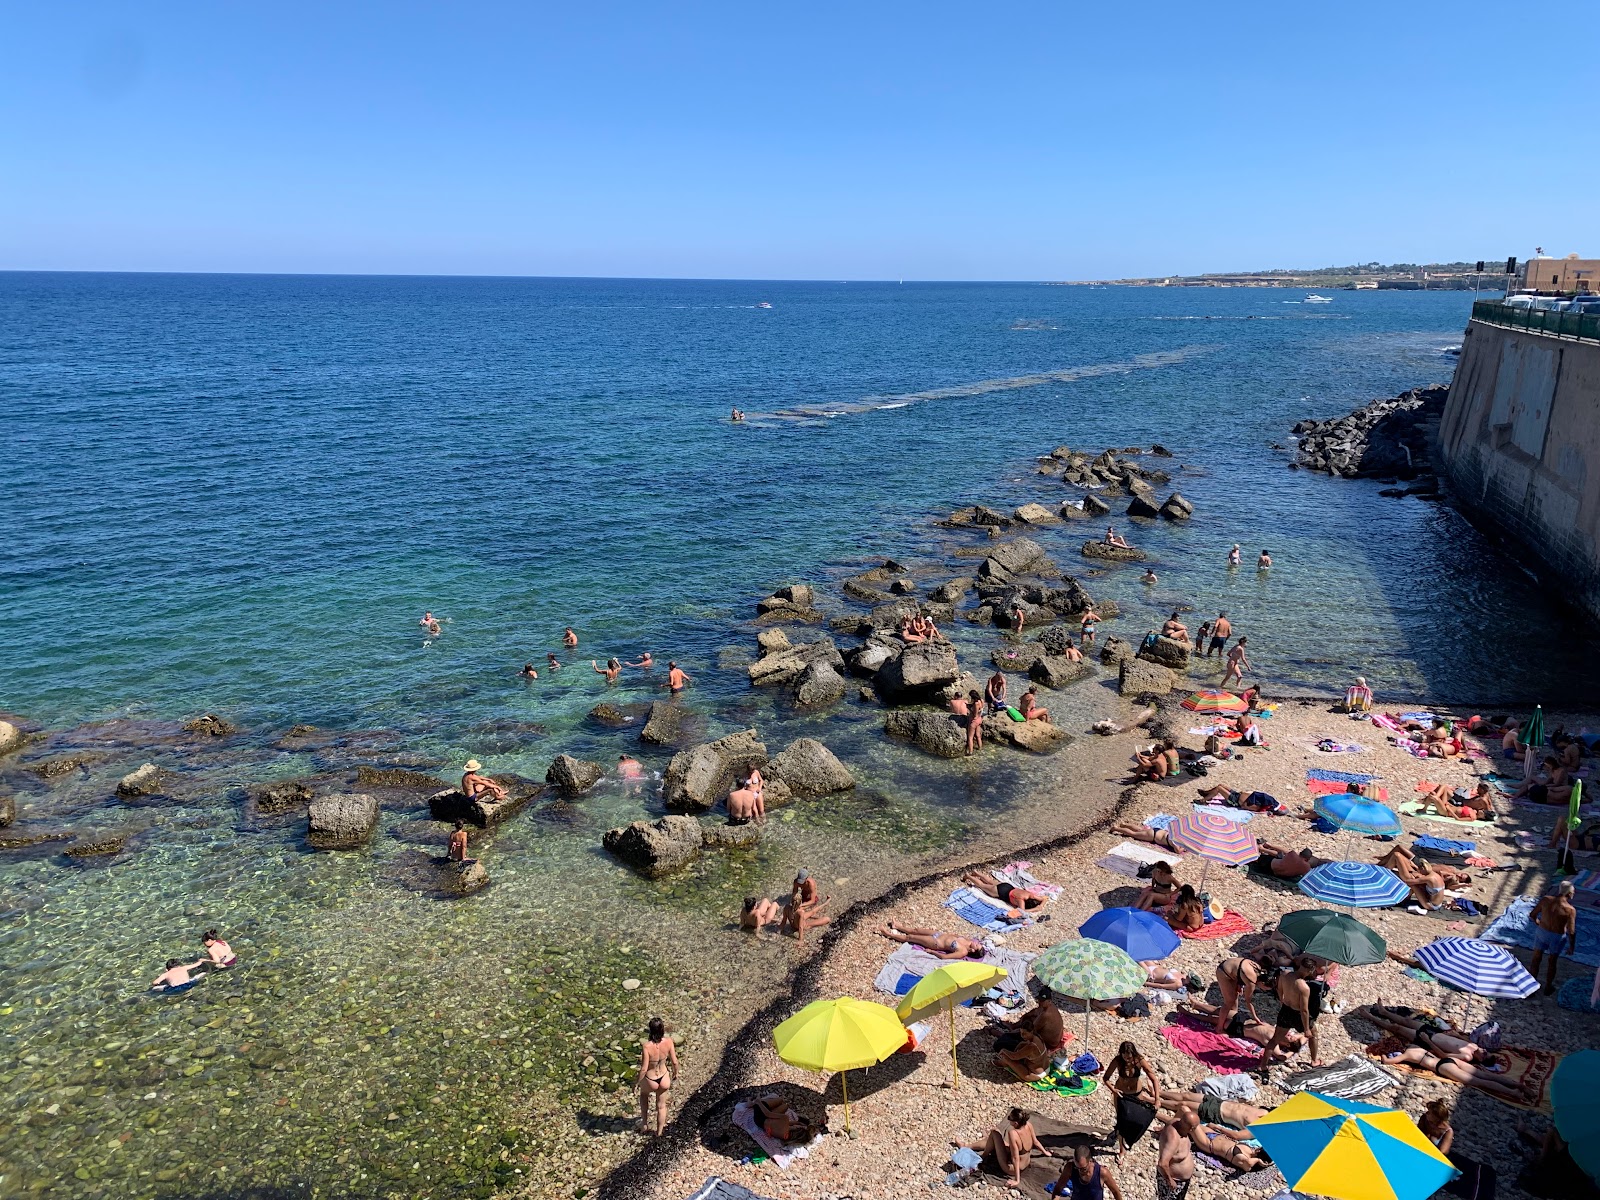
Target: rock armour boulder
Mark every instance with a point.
(147, 780)
(697, 779)
(1113, 553)
(342, 822)
(663, 724)
(809, 768)
(281, 797)
(656, 848)
(1167, 653)
(936, 733)
(917, 671)
(1136, 677)
(572, 776)
(819, 684)
(1057, 671)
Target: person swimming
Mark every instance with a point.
(528, 672)
(176, 977)
(645, 663)
(629, 767)
(677, 680)
(220, 954)
(611, 670)
(569, 638)
(552, 663)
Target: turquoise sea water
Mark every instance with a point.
(237, 494)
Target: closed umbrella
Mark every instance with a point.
(1577, 1107)
(1477, 966)
(1333, 936)
(1574, 820)
(1090, 970)
(1214, 837)
(1531, 736)
(1354, 885)
(1214, 700)
(1351, 1151)
(839, 1035)
(952, 984)
(1143, 935)
(1357, 814)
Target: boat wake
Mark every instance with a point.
(982, 387)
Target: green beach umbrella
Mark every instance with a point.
(1574, 802)
(1577, 1108)
(1333, 936)
(1532, 733)
(1089, 970)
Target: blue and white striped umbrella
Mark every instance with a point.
(1474, 965)
(1357, 814)
(1354, 885)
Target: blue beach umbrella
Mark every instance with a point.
(1351, 1151)
(1143, 935)
(1357, 814)
(1354, 885)
(1477, 966)
(1577, 1107)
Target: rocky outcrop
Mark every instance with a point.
(10, 737)
(1143, 506)
(1135, 677)
(277, 798)
(1038, 737)
(147, 780)
(936, 733)
(97, 845)
(1013, 559)
(1113, 553)
(916, 672)
(462, 878)
(342, 822)
(1176, 507)
(951, 591)
(1167, 653)
(1057, 671)
(662, 726)
(1035, 514)
(656, 848)
(696, 780)
(211, 725)
(1387, 437)
(451, 804)
(1018, 659)
(819, 684)
(792, 603)
(787, 665)
(810, 769)
(1114, 651)
(394, 777)
(573, 776)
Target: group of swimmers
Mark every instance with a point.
(1236, 556)
(800, 911)
(180, 976)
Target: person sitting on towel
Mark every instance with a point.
(777, 1122)
(1163, 889)
(1029, 1059)
(1044, 1021)
(1452, 802)
(1187, 913)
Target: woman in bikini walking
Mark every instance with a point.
(658, 1067)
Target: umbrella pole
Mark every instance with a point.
(844, 1082)
(1086, 1006)
(955, 1073)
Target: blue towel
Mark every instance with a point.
(1323, 825)
(1514, 927)
(1419, 973)
(975, 912)
(1416, 716)
(1445, 845)
(1160, 821)
(1574, 994)
(905, 983)
(1338, 776)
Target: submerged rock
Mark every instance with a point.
(102, 845)
(147, 780)
(609, 715)
(809, 768)
(656, 848)
(729, 837)
(63, 764)
(697, 779)
(342, 822)
(8, 809)
(936, 733)
(573, 775)
(281, 797)
(211, 725)
(10, 737)
(462, 878)
(395, 777)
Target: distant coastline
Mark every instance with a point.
(1450, 276)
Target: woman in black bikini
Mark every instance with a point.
(1162, 890)
(1136, 1086)
(1020, 899)
(1238, 979)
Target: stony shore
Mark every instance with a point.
(904, 1113)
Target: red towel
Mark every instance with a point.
(1327, 787)
(1228, 924)
(1195, 1037)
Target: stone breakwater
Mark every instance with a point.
(1391, 438)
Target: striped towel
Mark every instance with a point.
(1351, 1078)
(983, 911)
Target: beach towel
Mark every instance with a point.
(1195, 1037)
(1329, 746)
(1420, 717)
(1239, 816)
(1419, 974)
(717, 1188)
(1514, 927)
(1339, 777)
(1574, 994)
(1267, 711)
(1522, 1064)
(905, 966)
(744, 1116)
(1127, 858)
(983, 911)
(1351, 1078)
(1159, 821)
(1413, 808)
(1426, 841)
(1041, 1174)
(1229, 1087)
(1227, 925)
(1386, 722)
(1017, 874)
(1411, 746)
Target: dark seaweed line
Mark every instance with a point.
(630, 1177)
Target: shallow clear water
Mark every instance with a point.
(238, 494)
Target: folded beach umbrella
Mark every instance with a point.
(1477, 966)
(1351, 1151)
(1333, 936)
(1354, 885)
(1089, 970)
(1143, 935)
(952, 984)
(1577, 1107)
(1213, 700)
(1214, 837)
(1532, 733)
(838, 1035)
(1357, 814)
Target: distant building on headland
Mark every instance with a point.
(1569, 276)
(1474, 276)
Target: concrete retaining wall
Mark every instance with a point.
(1520, 444)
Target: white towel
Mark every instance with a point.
(1127, 858)
(744, 1116)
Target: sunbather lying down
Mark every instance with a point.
(1022, 900)
(935, 941)
(1209, 1109)
(1235, 1147)
(1473, 1067)
(1143, 833)
(1242, 1025)
(781, 1122)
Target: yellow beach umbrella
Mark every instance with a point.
(952, 984)
(838, 1035)
(1349, 1150)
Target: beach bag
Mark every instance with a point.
(1197, 769)
(1488, 1035)
(1136, 1005)
(1086, 1064)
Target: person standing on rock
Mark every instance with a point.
(1238, 664)
(968, 712)
(1221, 631)
(676, 679)
(658, 1067)
(479, 787)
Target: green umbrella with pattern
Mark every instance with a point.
(1088, 969)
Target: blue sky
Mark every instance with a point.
(861, 141)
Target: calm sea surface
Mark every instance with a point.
(237, 494)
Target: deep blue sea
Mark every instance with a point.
(238, 494)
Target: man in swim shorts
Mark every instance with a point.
(176, 976)
(1221, 631)
(479, 787)
(1555, 928)
(676, 679)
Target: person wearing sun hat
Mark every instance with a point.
(476, 786)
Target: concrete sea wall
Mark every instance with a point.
(1520, 444)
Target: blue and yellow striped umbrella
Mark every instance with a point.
(1351, 1151)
